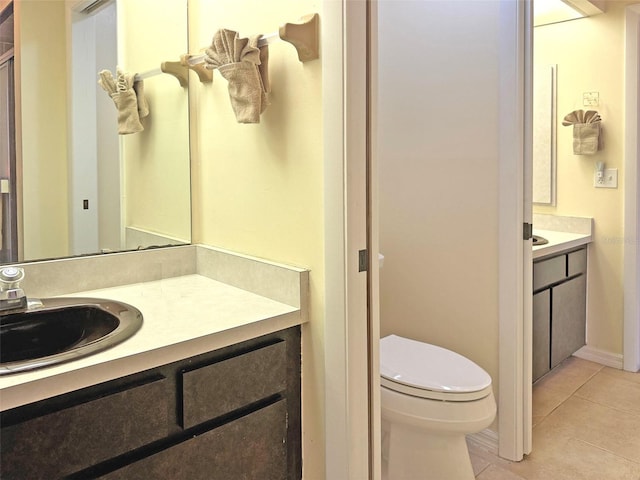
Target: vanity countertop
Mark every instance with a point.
(183, 316)
(558, 242)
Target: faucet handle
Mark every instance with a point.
(12, 297)
(11, 276)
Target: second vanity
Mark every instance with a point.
(208, 388)
(559, 290)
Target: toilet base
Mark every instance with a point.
(410, 453)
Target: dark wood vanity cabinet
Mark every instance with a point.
(251, 447)
(559, 308)
(229, 414)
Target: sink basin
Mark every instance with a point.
(63, 329)
(538, 240)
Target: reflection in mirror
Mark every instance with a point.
(81, 187)
(544, 134)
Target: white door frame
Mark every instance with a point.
(515, 303)
(375, 427)
(631, 349)
(514, 261)
(347, 378)
(346, 452)
(515, 281)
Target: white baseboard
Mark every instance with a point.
(487, 439)
(613, 360)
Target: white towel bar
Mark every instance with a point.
(303, 36)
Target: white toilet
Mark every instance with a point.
(431, 398)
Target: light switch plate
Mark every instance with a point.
(590, 99)
(609, 179)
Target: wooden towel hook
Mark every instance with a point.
(304, 36)
(177, 70)
(204, 74)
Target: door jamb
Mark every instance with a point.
(514, 261)
(631, 347)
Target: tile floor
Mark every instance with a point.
(586, 426)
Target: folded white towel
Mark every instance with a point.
(244, 65)
(143, 106)
(586, 138)
(587, 131)
(130, 103)
(580, 116)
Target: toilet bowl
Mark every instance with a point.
(431, 398)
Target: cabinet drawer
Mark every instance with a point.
(251, 447)
(577, 262)
(225, 386)
(549, 271)
(68, 440)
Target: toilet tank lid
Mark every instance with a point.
(429, 367)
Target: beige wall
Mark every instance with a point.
(438, 156)
(156, 160)
(589, 53)
(258, 189)
(41, 70)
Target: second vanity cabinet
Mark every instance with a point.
(559, 308)
(227, 414)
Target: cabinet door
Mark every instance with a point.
(541, 333)
(568, 314)
(251, 447)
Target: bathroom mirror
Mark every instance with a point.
(544, 134)
(81, 187)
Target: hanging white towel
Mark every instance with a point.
(128, 97)
(586, 138)
(244, 66)
(587, 131)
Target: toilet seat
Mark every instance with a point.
(428, 371)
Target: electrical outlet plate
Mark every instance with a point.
(609, 179)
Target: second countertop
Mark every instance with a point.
(558, 242)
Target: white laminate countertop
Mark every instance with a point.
(558, 242)
(183, 316)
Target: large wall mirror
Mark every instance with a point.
(78, 186)
(544, 134)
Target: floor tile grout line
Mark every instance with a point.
(617, 455)
(620, 377)
(515, 475)
(573, 394)
(606, 405)
(555, 408)
(485, 467)
(544, 417)
(589, 378)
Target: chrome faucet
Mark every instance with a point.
(12, 297)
